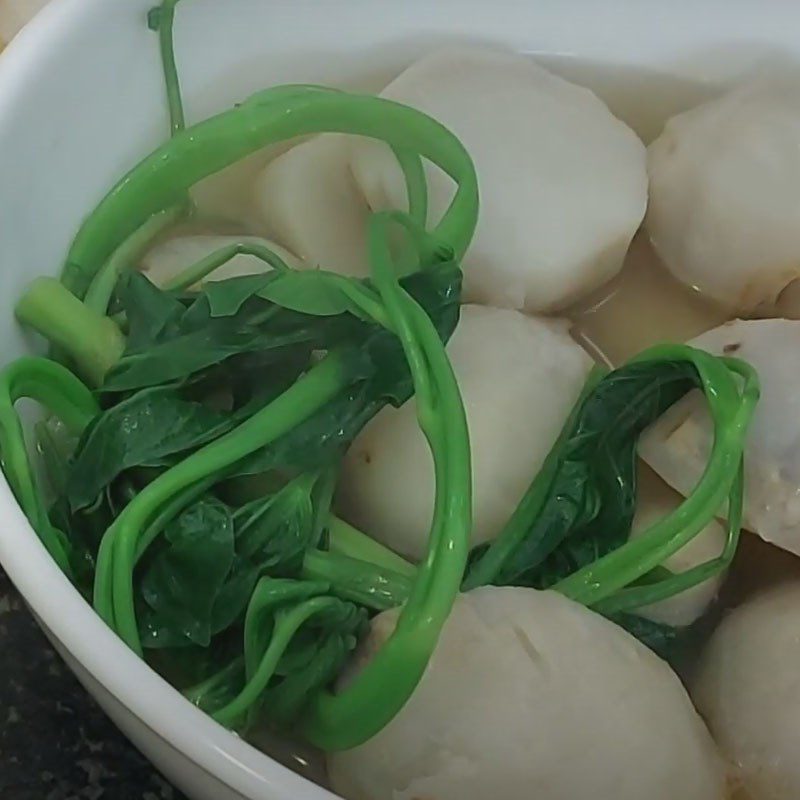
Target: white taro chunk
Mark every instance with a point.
(678, 445)
(530, 695)
(723, 211)
(170, 258)
(519, 377)
(307, 200)
(746, 687)
(655, 501)
(563, 182)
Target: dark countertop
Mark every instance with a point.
(55, 742)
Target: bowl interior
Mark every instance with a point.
(81, 100)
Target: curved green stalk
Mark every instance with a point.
(162, 19)
(205, 693)
(416, 185)
(376, 587)
(161, 180)
(639, 596)
(58, 390)
(345, 540)
(195, 273)
(102, 287)
(345, 720)
(731, 411)
(93, 341)
(287, 623)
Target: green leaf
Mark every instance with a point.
(310, 292)
(184, 356)
(276, 531)
(202, 336)
(182, 583)
(270, 537)
(314, 292)
(55, 445)
(664, 640)
(151, 314)
(590, 492)
(140, 431)
(226, 298)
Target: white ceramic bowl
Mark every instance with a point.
(81, 100)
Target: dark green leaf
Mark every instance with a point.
(182, 583)
(200, 338)
(591, 493)
(275, 532)
(232, 599)
(226, 298)
(309, 292)
(140, 431)
(55, 445)
(152, 314)
(664, 640)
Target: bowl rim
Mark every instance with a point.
(60, 607)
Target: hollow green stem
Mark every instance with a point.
(362, 582)
(124, 258)
(286, 625)
(57, 389)
(161, 180)
(345, 540)
(731, 410)
(347, 719)
(93, 341)
(416, 185)
(638, 596)
(201, 269)
(165, 14)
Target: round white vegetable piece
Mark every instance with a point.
(563, 182)
(308, 201)
(168, 259)
(655, 501)
(678, 445)
(529, 695)
(724, 212)
(747, 690)
(519, 378)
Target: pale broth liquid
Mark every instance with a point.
(642, 306)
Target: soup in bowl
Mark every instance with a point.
(407, 412)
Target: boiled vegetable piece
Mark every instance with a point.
(723, 194)
(676, 447)
(746, 688)
(531, 695)
(308, 201)
(563, 182)
(519, 377)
